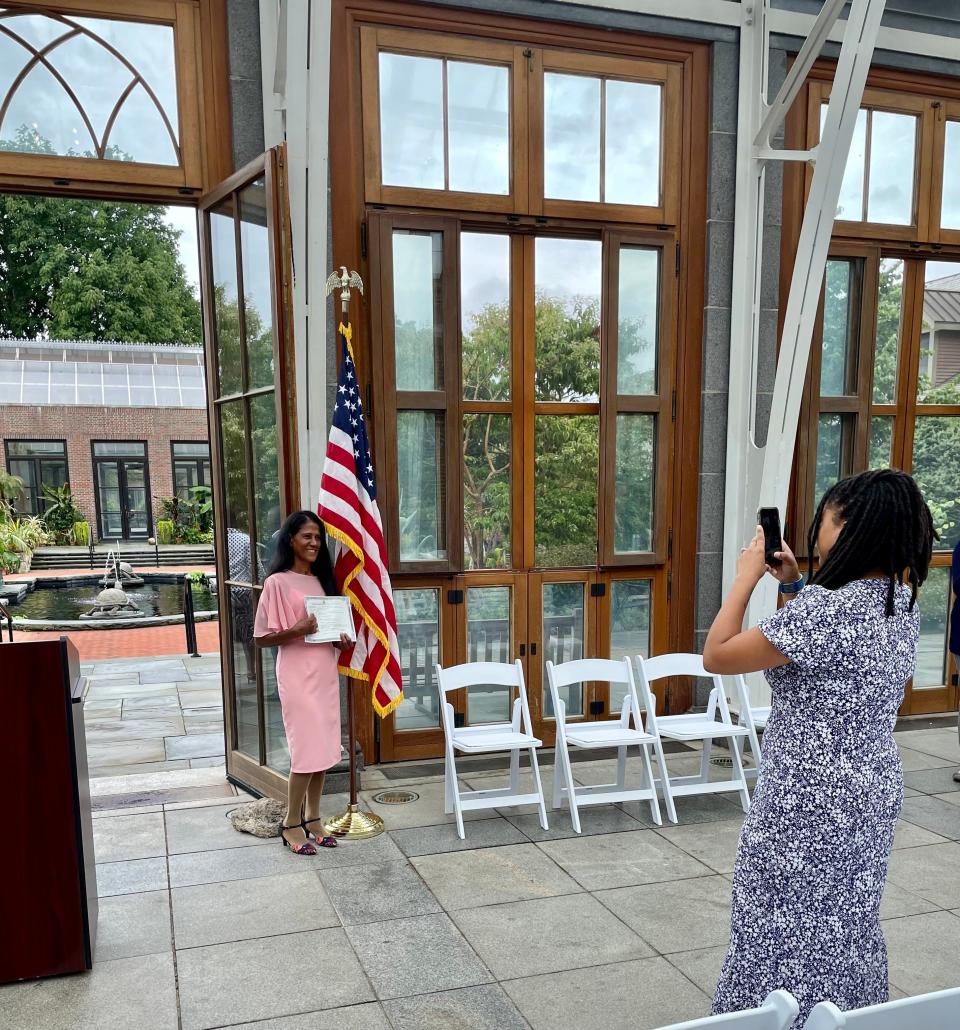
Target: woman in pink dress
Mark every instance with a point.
(307, 678)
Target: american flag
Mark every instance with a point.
(348, 508)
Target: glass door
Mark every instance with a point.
(134, 477)
(244, 267)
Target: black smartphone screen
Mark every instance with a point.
(769, 521)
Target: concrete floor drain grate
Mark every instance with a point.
(395, 797)
(723, 762)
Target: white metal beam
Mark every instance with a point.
(761, 475)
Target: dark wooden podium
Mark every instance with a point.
(48, 879)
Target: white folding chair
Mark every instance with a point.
(758, 716)
(778, 1012)
(514, 736)
(694, 726)
(938, 1011)
(616, 733)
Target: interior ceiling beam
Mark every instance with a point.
(757, 475)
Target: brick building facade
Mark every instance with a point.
(142, 401)
(157, 428)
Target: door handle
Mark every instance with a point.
(533, 648)
(523, 650)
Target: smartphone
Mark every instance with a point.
(769, 521)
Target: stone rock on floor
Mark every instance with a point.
(261, 818)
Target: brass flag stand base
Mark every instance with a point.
(354, 824)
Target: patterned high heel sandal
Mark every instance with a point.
(324, 842)
(305, 848)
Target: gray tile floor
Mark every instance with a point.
(149, 715)
(626, 926)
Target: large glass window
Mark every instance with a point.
(39, 463)
(191, 467)
(122, 480)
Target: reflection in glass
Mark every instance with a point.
(244, 671)
(223, 247)
(257, 290)
(411, 121)
(837, 377)
(563, 634)
(629, 627)
(478, 99)
(266, 476)
(486, 491)
(934, 604)
(938, 381)
(567, 285)
(488, 640)
(632, 138)
(881, 441)
(571, 137)
(850, 205)
(418, 637)
(422, 481)
(950, 201)
(834, 451)
(936, 468)
(278, 753)
(567, 450)
(233, 461)
(485, 316)
(638, 295)
(893, 145)
(889, 310)
(418, 309)
(634, 479)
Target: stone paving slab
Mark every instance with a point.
(547, 935)
(235, 910)
(479, 1008)
(137, 992)
(226, 984)
(420, 955)
(145, 874)
(492, 876)
(373, 893)
(639, 995)
(125, 838)
(353, 1017)
(129, 925)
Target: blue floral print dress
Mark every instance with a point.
(813, 852)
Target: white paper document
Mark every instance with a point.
(334, 616)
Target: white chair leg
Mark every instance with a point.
(571, 790)
(648, 777)
(665, 782)
(448, 786)
(705, 760)
(541, 804)
(514, 772)
(458, 811)
(741, 778)
(622, 767)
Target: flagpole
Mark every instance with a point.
(353, 824)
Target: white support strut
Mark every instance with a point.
(755, 475)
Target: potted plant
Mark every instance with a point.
(61, 513)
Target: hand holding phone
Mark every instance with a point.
(769, 521)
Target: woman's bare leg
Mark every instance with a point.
(314, 794)
(297, 785)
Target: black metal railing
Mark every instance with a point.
(5, 614)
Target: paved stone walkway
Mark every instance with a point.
(624, 927)
(157, 716)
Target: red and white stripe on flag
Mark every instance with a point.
(348, 508)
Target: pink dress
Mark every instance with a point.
(307, 678)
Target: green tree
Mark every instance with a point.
(93, 270)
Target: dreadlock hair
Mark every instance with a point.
(887, 527)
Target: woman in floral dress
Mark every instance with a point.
(813, 852)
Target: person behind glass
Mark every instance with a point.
(307, 678)
(812, 858)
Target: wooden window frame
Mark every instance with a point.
(527, 66)
(203, 107)
(661, 404)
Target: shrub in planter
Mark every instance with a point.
(166, 531)
(81, 533)
(61, 513)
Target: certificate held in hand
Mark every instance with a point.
(334, 616)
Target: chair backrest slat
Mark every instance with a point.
(778, 1012)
